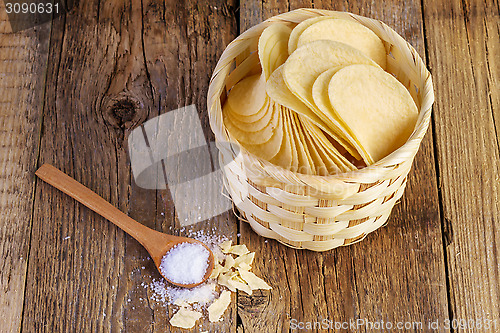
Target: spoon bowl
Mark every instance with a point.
(156, 243)
(169, 246)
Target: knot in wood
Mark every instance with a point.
(124, 111)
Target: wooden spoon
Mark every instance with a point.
(155, 242)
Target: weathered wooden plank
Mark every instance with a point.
(491, 31)
(182, 43)
(461, 39)
(389, 275)
(23, 61)
(131, 74)
(129, 94)
(96, 91)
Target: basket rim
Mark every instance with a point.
(400, 155)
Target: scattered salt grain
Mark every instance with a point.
(186, 263)
(166, 294)
(202, 294)
(198, 298)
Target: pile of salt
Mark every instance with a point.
(186, 263)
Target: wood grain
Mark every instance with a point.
(78, 282)
(459, 35)
(374, 280)
(74, 89)
(23, 61)
(90, 110)
(182, 43)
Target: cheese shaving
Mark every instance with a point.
(238, 283)
(223, 280)
(225, 246)
(246, 258)
(238, 250)
(185, 318)
(217, 308)
(253, 280)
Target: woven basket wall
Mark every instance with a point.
(317, 212)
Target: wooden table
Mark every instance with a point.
(71, 90)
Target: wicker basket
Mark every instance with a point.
(317, 212)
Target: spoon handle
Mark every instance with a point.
(92, 200)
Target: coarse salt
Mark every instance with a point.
(186, 263)
(164, 293)
(230, 272)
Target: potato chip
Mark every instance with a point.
(305, 164)
(278, 91)
(259, 124)
(319, 166)
(244, 266)
(307, 62)
(253, 280)
(272, 147)
(248, 96)
(349, 32)
(387, 110)
(320, 95)
(219, 306)
(284, 156)
(264, 111)
(297, 31)
(228, 264)
(185, 318)
(253, 138)
(331, 155)
(324, 107)
(273, 46)
(278, 55)
(294, 164)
